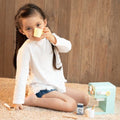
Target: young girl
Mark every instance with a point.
(39, 65)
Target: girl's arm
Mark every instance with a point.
(62, 44)
(22, 73)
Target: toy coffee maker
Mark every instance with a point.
(104, 93)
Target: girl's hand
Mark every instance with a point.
(18, 106)
(47, 34)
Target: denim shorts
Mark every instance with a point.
(43, 92)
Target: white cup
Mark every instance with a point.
(90, 112)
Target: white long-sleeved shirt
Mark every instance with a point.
(35, 67)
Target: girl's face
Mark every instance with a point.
(30, 23)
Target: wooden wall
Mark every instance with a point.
(92, 26)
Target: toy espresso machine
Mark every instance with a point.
(104, 93)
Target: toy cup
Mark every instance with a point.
(90, 112)
(38, 32)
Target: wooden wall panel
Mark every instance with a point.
(88, 36)
(9, 38)
(75, 36)
(92, 26)
(114, 44)
(94, 54)
(102, 39)
(2, 35)
(19, 3)
(51, 11)
(40, 3)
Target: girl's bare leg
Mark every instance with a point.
(79, 95)
(53, 100)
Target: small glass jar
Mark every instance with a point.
(80, 109)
